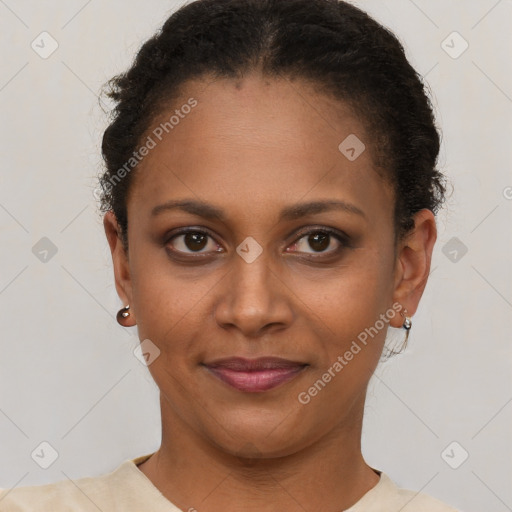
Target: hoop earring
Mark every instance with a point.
(122, 314)
(407, 326)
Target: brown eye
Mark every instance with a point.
(192, 241)
(195, 241)
(319, 241)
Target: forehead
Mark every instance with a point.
(257, 141)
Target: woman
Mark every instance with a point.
(269, 200)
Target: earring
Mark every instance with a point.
(122, 314)
(407, 326)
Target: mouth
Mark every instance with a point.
(255, 375)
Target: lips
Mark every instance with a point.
(255, 375)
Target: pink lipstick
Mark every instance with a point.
(254, 375)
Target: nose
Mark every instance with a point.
(254, 299)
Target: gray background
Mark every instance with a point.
(68, 375)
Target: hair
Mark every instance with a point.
(330, 44)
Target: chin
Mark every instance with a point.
(251, 435)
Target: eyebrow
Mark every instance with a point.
(208, 211)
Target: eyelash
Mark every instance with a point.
(341, 237)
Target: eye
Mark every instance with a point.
(192, 241)
(196, 241)
(319, 240)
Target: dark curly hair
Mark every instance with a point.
(331, 44)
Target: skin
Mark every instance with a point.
(251, 148)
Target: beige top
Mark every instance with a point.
(127, 489)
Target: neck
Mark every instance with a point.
(329, 475)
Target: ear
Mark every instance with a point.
(414, 255)
(121, 265)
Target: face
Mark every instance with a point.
(283, 248)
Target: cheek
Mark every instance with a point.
(350, 309)
(358, 292)
(160, 300)
(171, 304)
(350, 334)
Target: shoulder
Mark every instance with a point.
(83, 494)
(126, 488)
(412, 501)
